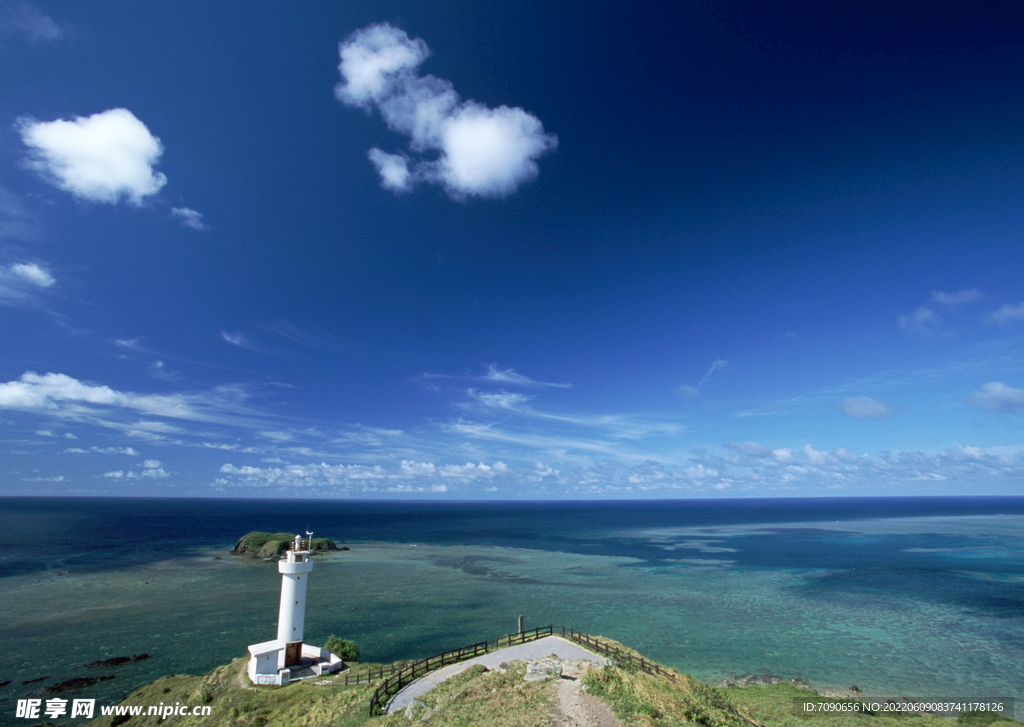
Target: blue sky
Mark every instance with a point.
(475, 250)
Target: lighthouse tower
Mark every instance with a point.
(286, 658)
(291, 615)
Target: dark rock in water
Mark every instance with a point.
(77, 683)
(271, 546)
(855, 689)
(4, 684)
(33, 681)
(801, 682)
(754, 680)
(116, 661)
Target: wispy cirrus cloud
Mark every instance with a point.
(1007, 314)
(495, 374)
(21, 283)
(924, 321)
(864, 407)
(480, 151)
(498, 375)
(693, 391)
(24, 20)
(189, 218)
(997, 396)
(311, 335)
(62, 396)
(107, 157)
(955, 299)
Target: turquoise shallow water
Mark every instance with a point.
(925, 606)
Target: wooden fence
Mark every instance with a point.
(399, 678)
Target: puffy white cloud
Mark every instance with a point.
(149, 474)
(864, 407)
(1007, 314)
(27, 21)
(997, 396)
(954, 299)
(106, 157)
(393, 169)
(189, 218)
(481, 151)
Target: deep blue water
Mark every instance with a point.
(40, 533)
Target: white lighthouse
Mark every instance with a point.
(286, 658)
(294, 570)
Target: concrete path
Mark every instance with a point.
(537, 649)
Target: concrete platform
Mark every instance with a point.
(538, 649)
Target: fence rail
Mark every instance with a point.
(399, 678)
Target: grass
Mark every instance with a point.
(481, 698)
(478, 697)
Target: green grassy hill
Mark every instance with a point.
(502, 698)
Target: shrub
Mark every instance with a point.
(344, 648)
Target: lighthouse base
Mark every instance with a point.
(269, 662)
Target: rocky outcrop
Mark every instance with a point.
(116, 661)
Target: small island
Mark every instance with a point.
(258, 545)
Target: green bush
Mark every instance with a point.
(344, 648)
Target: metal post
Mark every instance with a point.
(522, 624)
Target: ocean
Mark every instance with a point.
(919, 597)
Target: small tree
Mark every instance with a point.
(343, 648)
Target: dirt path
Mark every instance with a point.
(576, 708)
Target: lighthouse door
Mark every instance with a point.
(292, 653)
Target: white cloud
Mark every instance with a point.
(1007, 314)
(102, 450)
(751, 449)
(922, 321)
(864, 407)
(105, 157)
(954, 299)
(20, 283)
(694, 391)
(63, 396)
(393, 170)
(500, 400)
(25, 20)
(481, 151)
(997, 396)
(189, 218)
(150, 474)
(510, 376)
(238, 339)
(33, 274)
(151, 464)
